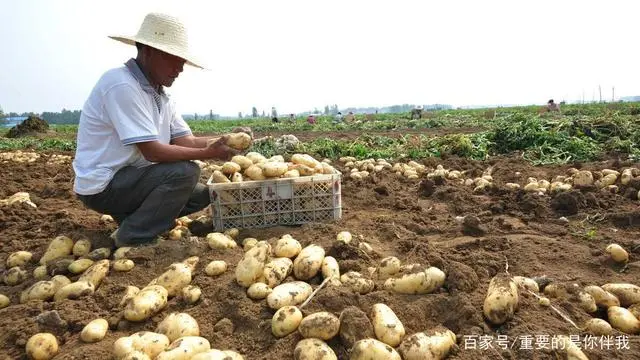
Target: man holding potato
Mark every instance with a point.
(134, 150)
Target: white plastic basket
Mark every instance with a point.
(265, 203)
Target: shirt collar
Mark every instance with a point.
(137, 73)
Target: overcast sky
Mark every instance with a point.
(297, 55)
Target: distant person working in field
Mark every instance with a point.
(416, 112)
(552, 106)
(133, 149)
(274, 115)
(338, 118)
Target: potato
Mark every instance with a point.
(320, 325)
(74, 290)
(291, 174)
(80, 265)
(618, 254)
(96, 273)
(556, 290)
(501, 300)
(255, 157)
(42, 346)
(150, 342)
(248, 243)
(41, 290)
(421, 346)
(587, 302)
(274, 169)
(356, 282)
(635, 310)
(146, 303)
(628, 294)
(4, 301)
(174, 279)
(40, 272)
(232, 355)
(122, 347)
(136, 355)
(232, 233)
(121, 253)
(178, 233)
(313, 349)
(184, 348)
(177, 325)
(386, 325)
(59, 281)
(14, 276)
(421, 282)
(526, 283)
(216, 267)
(344, 237)
(287, 246)
(82, 247)
(243, 161)
(94, 331)
(191, 294)
(330, 268)
(211, 355)
(258, 291)
(543, 301)
(623, 320)
(123, 265)
(218, 177)
(328, 169)
(230, 168)
(307, 264)
(291, 293)
(277, 270)
(572, 350)
(239, 141)
(220, 241)
(602, 298)
(285, 321)
(598, 327)
(368, 349)
(254, 172)
(389, 267)
(99, 254)
(129, 293)
(58, 247)
(18, 258)
(251, 267)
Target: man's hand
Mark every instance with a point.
(219, 150)
(244, 129)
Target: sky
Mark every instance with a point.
(300, 55)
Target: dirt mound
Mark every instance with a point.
(31, 126)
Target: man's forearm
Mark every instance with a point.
(193, 141)
(168, 153)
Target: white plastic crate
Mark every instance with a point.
(265, 203)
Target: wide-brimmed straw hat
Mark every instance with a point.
(165, 33)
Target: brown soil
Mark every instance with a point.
(31, 126)
(396, 216)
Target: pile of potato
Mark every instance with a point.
(56, 159)
(17, 199)
(19, 156)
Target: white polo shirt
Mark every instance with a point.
(123, 109)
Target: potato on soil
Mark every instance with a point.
(185, 348)
(58, 247)
(212, 354)
(220, 241)
(177, 325)
(285, 321)
(356, 282)
(307, 264)
(617, 253)
(232, 233)
(251, 268)
(96, 273)
(4, 301)
(15, 276)
(291, 293)
(41, 290)
(602, 298)
(598, 327)
(421, 346)
(18, 258)
(175, 278)
(287, 246)
(60, 281)
(136, 355)
(258, 291)
(368, 349)
(121, 253)
(276, 270)
(526, 283)
(99, 254)
(42, 346)
(623, 320)
(82, 247)
(313, 349)
(502, 299)
(572, 351)
(129, 293)
(389, 267)
(190, 294)
(215, 268)
(80, 265)
(417, 282)
(74, 290)
(628, 294)
(635, 310)
(150, 342)
(40, 272)
(344, 237)
(249, 243)
(386, 325)
(123, 265)
(94, 331)
(146, 303)
(321, 325)
(330, 268)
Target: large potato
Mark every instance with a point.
(330, 268)
(4, 301)
(287, 246)
(219, 177)
(41, 290)
(421, 346)
(285, 321)
(251, 267)
(215, 267)
(254, 172)
(277, 270)
(146, 303)
(177, 325)
(42, 346)
(81, 248)
(617, 253)
(256, 157)
(150, 342)
(369, 349)
(599, 327)
(58, 247)
(243, 161)
(175, 278)
(386, 325)
(526, 283)
(623, 320)
(74, 290)
(79, 266)
(291, 293)
(258, 291)
(94, 331)
(18, 258)
(501, 300)
(96, 273)
(274, 169)
(587, 302)
(239, 141)
(220, 241)
(308, 262)
(15, 276)
(313, 349)
(628, 294)
(418, 282)
(185, 348)
(635, 310)
(389, 267)
(123, 346)
(230, 168)
(321, 325)
(602, 298)
(356, 282)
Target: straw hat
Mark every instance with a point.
(165, 33)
